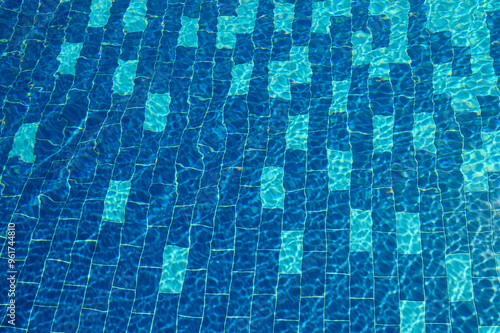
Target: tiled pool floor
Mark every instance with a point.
(253, 166)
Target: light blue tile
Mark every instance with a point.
(361, 48)
(157, 109)
(175, 260)
(123, 79)
(458, 269)
(24, 142)
(361, 231)
(291, 252)
(115, 202)
(300, 65)
(279, 79)
(339, 170)
(272, 191)
(474, 170)
(491, 144)
(246, 14)
(340, 7)
(412, 316)
(68, 57)
(408, 232)
(227, 26)
(340, 91)
(321, 17)
(296, 134)
(283, 16)
(489, 329)
(382, 133)
(188, 36)
(99, 14)
(134, 19)
(424, 132)
(241, 79)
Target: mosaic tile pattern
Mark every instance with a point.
(252, 166)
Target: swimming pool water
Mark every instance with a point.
(252, 166)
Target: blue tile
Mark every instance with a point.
(362, 282)
(139, 321)
(313, 274)
(215, 312)
(165, 318)
(240, 294)
(193, 290)
(267, 269)
(311, 314)
(463, 317)
(411, 280)
(385, 254)
(145, 298)
(387, 310)
(288, 303)
(338, 251)
(363, 314)
(263, 309)
(437, 304)
(99, 287)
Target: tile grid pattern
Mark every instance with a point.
(255, 166)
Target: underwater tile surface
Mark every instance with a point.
(250, 166)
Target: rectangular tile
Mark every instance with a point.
(241, 79)
(116, 199)
(339, 170)
(24, 142)
(68, 57)
(188, 35)
(291, 252)
(175, 260)
(157, 110)
(408, 230)
(123, 78)
(361, 231)
(382, 133)
(458, 268)
(412, 317)
(135, 16)
(272, 191)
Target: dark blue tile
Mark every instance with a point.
(360, 192)
(385, 254)
(92, 320)
(153, 255)
(225, 228)
(311, 314)
(165, 318)
(146, 295)
(411, 280)
(441, 47)
(383, 212)
(294, 212)
(140, 321)
(437, 305)
(363, 315)
(463, 317)
(313, 273)
(193, 291)
(79, 268)
(68, 311)
(338, 211)
(108, 244)
(361, 281)
(248, 207)
(244, 249)
(270, 229)
(240, 295)
(52, 283)
(99, 287)
(282, 44)
(267, 266)
(487, 300)
(219, 271)
(215, 313)
(338, 251)
(128, 265)
(316, 190)
(433, 253)
(380, 27)
(287, 306)
(387, 301)
(263, 309)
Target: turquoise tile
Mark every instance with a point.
(424, 132)
(300, 67)
(361, 231)
(246, 14)
(241, 79)
(361, 48)
(175, 260)
(458, 269)
(226, 32)
(116, 200)
(291, 252)
(279, 80)
(134, 19)
(157, 109)
(321, 17)
(188, 36)
(489, 329)
(296, 134)
(68, 57)
(408, 233)
(412, 316)
(339, 170)
(99, 13)
(24, 142)
(474, 170)
(491, 145)
(340, 92)
(272, 190)
(382, 133)
(283, 16)
(123, 79)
